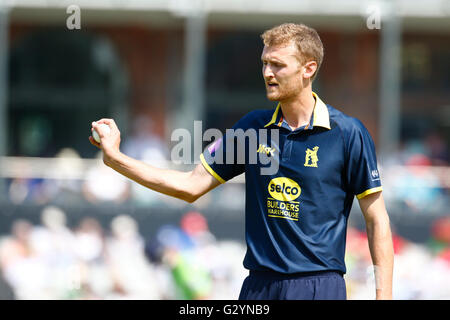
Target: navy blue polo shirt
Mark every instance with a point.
(296, 216)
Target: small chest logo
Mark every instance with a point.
(265, 149)
(311, 157)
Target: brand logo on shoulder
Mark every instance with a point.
(284, 189)
(311, 158)
(265, 149)
(212, 149)
(375, 174)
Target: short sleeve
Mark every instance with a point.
(362, 173)
(216, 161)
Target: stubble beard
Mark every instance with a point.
(282, 94)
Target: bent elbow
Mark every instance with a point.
(189, 197)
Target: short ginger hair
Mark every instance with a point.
(306, 40)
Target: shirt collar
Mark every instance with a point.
(321, 116)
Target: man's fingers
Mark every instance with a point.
(110, 122)
(99, 127)
(95, 143)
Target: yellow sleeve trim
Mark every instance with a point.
(367, 192)
(209, 169)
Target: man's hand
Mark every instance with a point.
(109, 143)
(380, 243)
(187, 186)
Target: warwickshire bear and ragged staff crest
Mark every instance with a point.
(311, 157)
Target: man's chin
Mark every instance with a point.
(273, 97)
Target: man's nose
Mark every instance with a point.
(267, 72)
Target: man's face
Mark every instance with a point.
(282, 72)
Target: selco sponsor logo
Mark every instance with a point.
(284, 189)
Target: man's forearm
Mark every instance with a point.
(381, 250)
(169, 182)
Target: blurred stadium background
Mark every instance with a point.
(73, 229)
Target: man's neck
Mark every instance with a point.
(298, 111)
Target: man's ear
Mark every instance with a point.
(309, 69)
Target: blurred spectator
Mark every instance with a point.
(419, 187)
(41, 191)
(22, 269)
(205, 246)
(143, 143)
(18, 190)
(53, 244)
(89, 240)
(89, 249)
(200, 266)
(68, 161)
(195, 225)
(53, 239)
(17, 246)
(22, 187)
(133, 276)
(437, 149)
(173, 248)
(441, 230)
(51, 261)
(414, 182)
(65, 189)
(410, 281)
(103, 184)
(439, 243)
